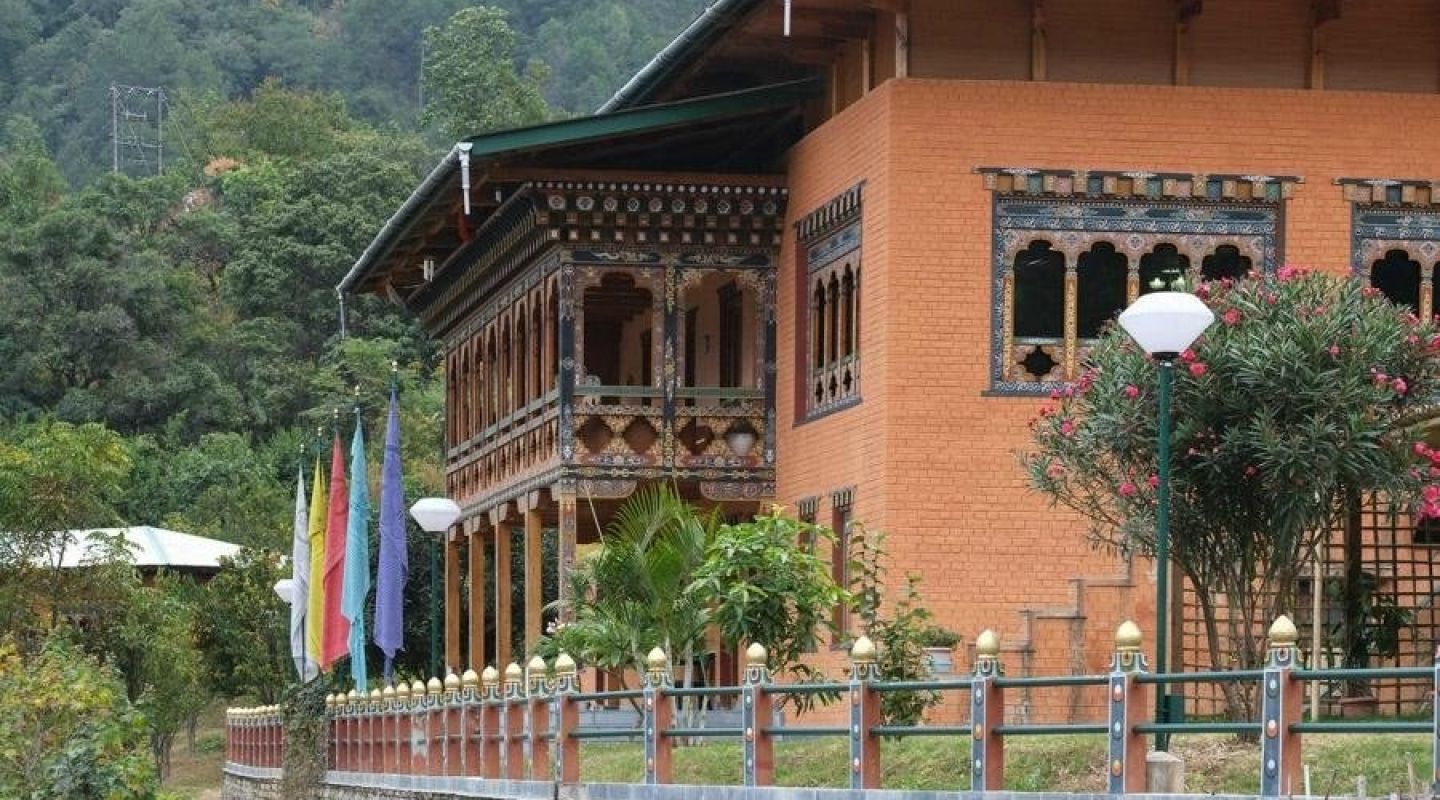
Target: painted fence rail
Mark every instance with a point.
(527, 727)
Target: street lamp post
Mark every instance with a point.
(1164, 324)
(435, 515)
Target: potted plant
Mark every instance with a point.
(939, 643)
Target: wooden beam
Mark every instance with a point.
(534, 583)
(1185, 10)
(1321, 12)
(1037, 40)
(477, 602)
(503, 655)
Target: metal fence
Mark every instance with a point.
(529, 726)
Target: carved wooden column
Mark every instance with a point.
(452, 601)
(502, 588)
(534, 570)
(565, 549)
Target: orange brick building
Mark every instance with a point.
(954, 194)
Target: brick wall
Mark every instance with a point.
(931, 456)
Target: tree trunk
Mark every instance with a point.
(1353, 595)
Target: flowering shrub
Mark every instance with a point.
(1307, 387)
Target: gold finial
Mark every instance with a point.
(755, 655)
(417, 689)
(490, 676)
(564, 664)
(434, 686)
(514, 673)
(470, 679)
(352, 697)
(452, 682)
(987, 644)
(330, 700)
(388, 693)
(863, 651)
(1283, 632)
(402, 692)
(1127, 636)
(657, 660)
(536, 666)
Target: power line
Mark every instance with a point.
(137, 129)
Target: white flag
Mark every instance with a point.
(300, 584)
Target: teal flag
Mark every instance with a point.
(357, 558)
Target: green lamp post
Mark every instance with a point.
(1164, 324)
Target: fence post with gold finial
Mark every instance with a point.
(755, 717)
(538, 724)
(987, 713)
(419, 749)
(514, 744)
(658, 717)
(490, 749)
(1126, 771)
(567, 718)
(469, 723)
(1281, 697)
(864, 715)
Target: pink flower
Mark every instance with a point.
(1412, 339)
(1132, 391)
(1046, 411)
(1334, 350)
(1250, 470)
(1055, 470)
(1434, 342)
(1271, 298)
(1153, 481)
(1232, 317)
(1285, 273)
(1128, 489)
(1320, 310)
(1198, 368)
(1369, 291)
(1188, 356)
(1067, 427)
(1421, 449)
(1203, 291)
(1399, 386)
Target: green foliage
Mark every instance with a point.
(67, 730)
(901, 635)
(471, 80)
(305, 738)
(634, 594)
(1301, 392)
(244, 631)
(762, 587)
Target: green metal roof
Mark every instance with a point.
(538, 138)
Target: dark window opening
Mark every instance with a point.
(1397, 276)
(1100, 281)
(612, 309)
(1039, 291)
(1163, 269)
(1225, 262)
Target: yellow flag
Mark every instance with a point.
(315, 615)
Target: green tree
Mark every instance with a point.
(761, 587)
(244, 629)
(472, 82)
(67, 730)
(1305, 390)
(899, 628)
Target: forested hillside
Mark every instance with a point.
(194, 313)
(58, 59)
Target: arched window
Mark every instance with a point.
(832, 320)
(1225, 262)
(1101, 274)
(1397, 276)
(1161, 268)
(522, 359)
(1039, 292)
(847, 309)
(817, 325)
(828, 346)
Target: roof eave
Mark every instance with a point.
(400, 221)
(712, 22)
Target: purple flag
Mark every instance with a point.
(391, 569)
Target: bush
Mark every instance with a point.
(67, 730)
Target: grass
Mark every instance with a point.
(1213, 764)
(196, 775)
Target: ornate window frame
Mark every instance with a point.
(1133, 211)
(829, 250)
(1395, 214)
